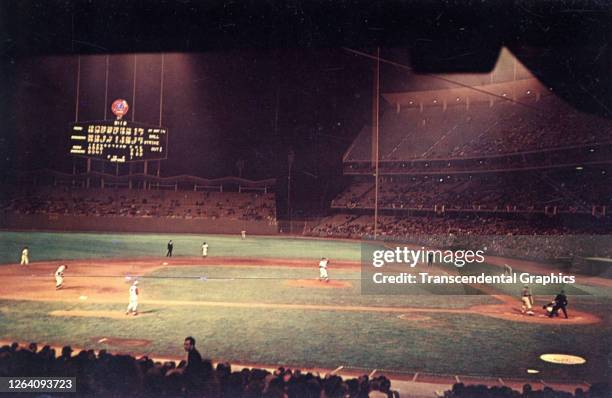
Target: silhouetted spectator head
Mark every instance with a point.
(66, 352)
(189, 343)
(599, 390)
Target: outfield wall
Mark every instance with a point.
(134, 224)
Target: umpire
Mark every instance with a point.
(560, 304)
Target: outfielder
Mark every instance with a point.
(170, 247)
(204, 249)
(323, 269)
(133, 305)
(527, 300)
(243, 234)
(59, 276)
(25, 256)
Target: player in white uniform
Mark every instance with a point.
(25, 256)
(243, 234)
(133, 305)
(323, 269)
(204, 249)
(527, 301)
(59, 276)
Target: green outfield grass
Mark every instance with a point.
(65, 246)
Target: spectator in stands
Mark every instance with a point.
(194, 359)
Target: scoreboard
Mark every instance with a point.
(118, 141)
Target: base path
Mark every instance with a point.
(103, 281)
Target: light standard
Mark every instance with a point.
(290, 159)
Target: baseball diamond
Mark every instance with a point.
(279, 302)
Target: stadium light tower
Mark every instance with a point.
(375, 135)
(290, 160)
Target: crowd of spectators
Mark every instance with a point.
(485, 129)
(568, 156)
(108, 375)
(139, 203)
(459, 390)
(541, 239)
(104, 374)
(569, 191)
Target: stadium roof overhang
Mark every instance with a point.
(511, 90)
(565, 44)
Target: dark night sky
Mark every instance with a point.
(219, 107)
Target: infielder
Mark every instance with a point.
(25, 256)
(527, 301)
(59, 276)
(323, 269)
(133, 305)
(204, 249)
(507, 269)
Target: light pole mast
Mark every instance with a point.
(375, 135)
(290, 159)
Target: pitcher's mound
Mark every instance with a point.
(95, 314)
(317, 284)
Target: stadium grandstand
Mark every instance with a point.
(93, 201)
(495, 154)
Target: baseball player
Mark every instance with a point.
(323, 269)
(527, 301)
(243, 234)
(170, 247)
(507, 269)
(59, 276)
(560, 303)
(25, 259)
(133, 305)
(204, 249)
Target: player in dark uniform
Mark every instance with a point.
(430, 258)
(560, 304)
(170, 248)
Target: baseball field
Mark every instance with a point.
(258, 301)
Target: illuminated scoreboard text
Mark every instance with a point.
(118, 141)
